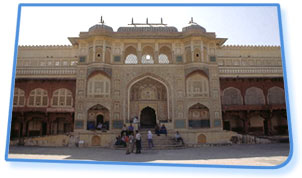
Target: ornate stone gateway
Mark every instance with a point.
(148, 118)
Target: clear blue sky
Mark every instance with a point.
(241, 25)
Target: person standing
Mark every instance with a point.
(127, 144)
(130, 129)
(150, 141)
(138, 142)
(131, 142)
(136, 123)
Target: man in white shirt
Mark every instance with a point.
(179, 138)
(150, 141)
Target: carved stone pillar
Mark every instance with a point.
(93, 52)
(104, 50)
(139, 57)
(201, 52)
(156, 60)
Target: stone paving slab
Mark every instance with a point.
(253, 155)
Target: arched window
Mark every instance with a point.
(131, 55)
(147, 59)
(131, 59)
(197, 85)
(254, 96)
(147, 55)
(19, 97)
(62, 98)
(99, 86)
(163, 59)
(165, 55)
(38, 98)
(275, 96)
(231, 96)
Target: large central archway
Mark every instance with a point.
(145, 95)
(147, 118)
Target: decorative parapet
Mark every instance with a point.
(250, 46)
(43, 46)
(249, 61)
(46, 62)
(250, 71)
(46, 72)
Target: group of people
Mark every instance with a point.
(128, 140)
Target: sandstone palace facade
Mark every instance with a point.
(188, 80)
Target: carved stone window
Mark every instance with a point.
(147, 59)
(62, 98)
(19, 97)
(197, 85)
(99, 86)
(231, 96)
(275, 96)
(254, 96)
(38, 98)
(163, 59)
(131, 59)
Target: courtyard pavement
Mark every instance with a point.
(251, 155)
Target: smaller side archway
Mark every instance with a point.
(199, 116)
(97, 115)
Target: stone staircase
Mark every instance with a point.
(160, 142)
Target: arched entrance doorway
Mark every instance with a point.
(148, 118)
(99, 119)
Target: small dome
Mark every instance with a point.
(194, 28)
(147, 29)
(100, 28)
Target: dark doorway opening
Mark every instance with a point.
(99, 119)
(44, 128)
(148, 118)
(265, 124)
(226, 125)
